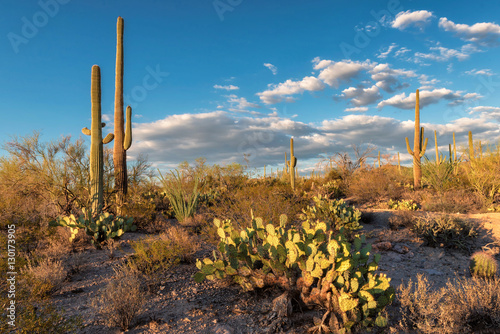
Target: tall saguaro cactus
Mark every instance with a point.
(123, 138)
(96, 142)
(291, 164)
(418, 148)
(471, 147)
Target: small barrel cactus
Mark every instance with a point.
(483, 264)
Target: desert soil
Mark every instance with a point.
(179, 305)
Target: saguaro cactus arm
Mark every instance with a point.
(408, 146)
(424, 146)
(127, 142)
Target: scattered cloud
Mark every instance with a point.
(360, 96)
(428, 97)
(484, 33)
(442, 54)
(226, 87)
(401, 51)
(485, 112)
(240, 104)
(271, 67)
(387, 78)
(487, 72)
(406, 19)
(283, 91)
(384, 54)
(356, 109)
(333, 73)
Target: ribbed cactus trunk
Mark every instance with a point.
(96, 143)
(471, 147)
(418, 148)
(123, 138)
(292, 163)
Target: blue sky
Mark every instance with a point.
(224, 79)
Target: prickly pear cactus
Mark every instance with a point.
(101, 228)
(334, 212)
(322, 267)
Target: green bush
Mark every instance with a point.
(408, 205)
(311, 261)
(335, 212)
(445, 231)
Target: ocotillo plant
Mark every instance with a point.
(418, 148)
(96, 142)
(291, 165)
(379, 159)
(123, 139)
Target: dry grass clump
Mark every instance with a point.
(45, 277)
(376, 185)
(454, 201)
(155, 255)
(185, 243)
(122, 298)
(401, 219)
(466, 305)
(265, 201)
(445, 231)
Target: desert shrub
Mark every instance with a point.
(335, 212)
(401, 219)
(155, 255)
(310, 261)
(185, 244)
(481, 178)
(439, 176)
(41, 318)
(121, 300)
(483, 264)
(44, 278)
(463, 306)
(454, 201)
(376, 185)
(407, 205)
(445, 231)
(47, 179)
(266, 202)
(331, 189)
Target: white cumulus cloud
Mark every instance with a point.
(408, 18)
(484, 33)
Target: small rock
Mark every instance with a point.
(223, 329)
(401, 249)
(381, 246)
(433, 272)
